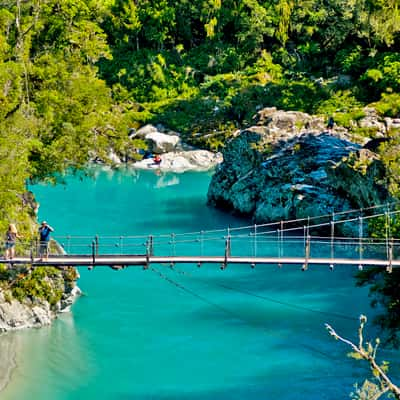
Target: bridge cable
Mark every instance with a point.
(191, 292)
(233, 314)
(332, 265)
(267, 298)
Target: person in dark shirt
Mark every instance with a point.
(44, 233)
(331, 123)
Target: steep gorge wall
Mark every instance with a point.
(289, 166)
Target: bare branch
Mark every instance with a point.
(386, 383)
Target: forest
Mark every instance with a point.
(76, 75)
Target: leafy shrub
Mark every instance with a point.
(351, 59)
(344, 107)
(388, 105)
(382, 76)
(3, 272)
(341, 101)
(368, 132)
(43, 283)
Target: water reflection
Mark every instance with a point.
(167, 180)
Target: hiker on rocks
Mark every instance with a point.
(330, 124)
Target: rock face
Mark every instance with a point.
(34, 312)
(15, 315)
(286, 168)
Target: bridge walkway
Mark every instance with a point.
(330, 239)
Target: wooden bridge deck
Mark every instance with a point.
(144, 260)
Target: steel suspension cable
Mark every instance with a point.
(225, 310)
(267, 298)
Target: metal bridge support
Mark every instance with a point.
(202, 243)
(173, 244)
(306, 254)
(150, 246)
(280, 238)
(93, 255)
(227, 252)
(68, 243)
(255, 241)
(360, 242)
(121, 245)
(389, 268)
(149, 251)
(31, 252)
(96, 240)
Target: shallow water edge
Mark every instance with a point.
(8, 351)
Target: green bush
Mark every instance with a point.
(339, 102)
(43, 283)
(368, 132)
(388, 105)
(351, 60)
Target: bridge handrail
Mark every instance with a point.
(203, 233)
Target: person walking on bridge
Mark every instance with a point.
(44, 233)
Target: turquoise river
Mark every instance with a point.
(202, 333)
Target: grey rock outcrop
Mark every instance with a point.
(181, 161)
(280, 170)
(15, 315)
(34, 312)
(159, 140)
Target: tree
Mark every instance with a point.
(367, 351)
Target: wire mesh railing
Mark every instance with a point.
(312, 237)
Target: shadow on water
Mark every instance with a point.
(264, 387)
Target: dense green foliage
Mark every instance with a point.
(76, 74)
(384, 289)
(42, 283)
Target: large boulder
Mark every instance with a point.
(159, 140)
(288, 123)
(162, 143)
(16, 315)
(32, 311)
(272, 176)
(181, 161)
(372, 122)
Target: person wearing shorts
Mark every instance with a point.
(44, 233)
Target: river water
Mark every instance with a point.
(202, 333)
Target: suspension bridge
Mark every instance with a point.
(324, 240)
